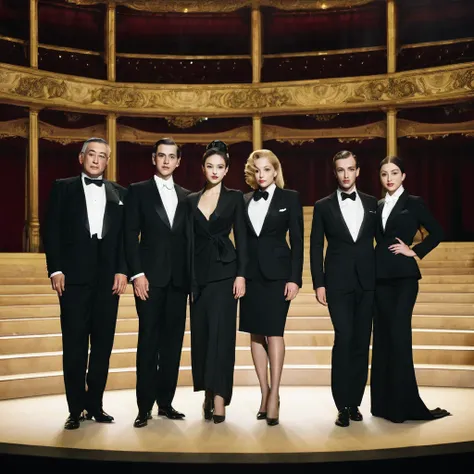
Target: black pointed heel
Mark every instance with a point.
(262, 415)
(218, 419)
(273, 421)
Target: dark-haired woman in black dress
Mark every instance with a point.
(394, 390)
(218, 273)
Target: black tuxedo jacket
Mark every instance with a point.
(215, 257)
(270, 250)
(66, 233)
(408, 215)
(346, 261)
(152, 246)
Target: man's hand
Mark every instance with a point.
(58, 283)
(291, 290)
(141, 287)
(120, 284)
(321, 295)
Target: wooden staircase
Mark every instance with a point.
(443, 329)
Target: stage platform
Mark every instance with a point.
(32, 430)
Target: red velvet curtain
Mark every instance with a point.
(12, 193)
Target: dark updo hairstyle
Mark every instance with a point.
(396, 160)
(217, 147)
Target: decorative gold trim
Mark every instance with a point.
(225, 6)
(30, 87)
(405, 128)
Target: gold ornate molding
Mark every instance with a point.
(30, 87)
(406, 128)
(184, 122)
(225, 6)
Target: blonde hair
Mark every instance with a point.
(251, 169)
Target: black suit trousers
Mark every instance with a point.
(394, 390)
(88, 316)
(162, 319)
(351, 315)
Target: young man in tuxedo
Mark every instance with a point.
(344, 280)
(156, 247)
(83, 242)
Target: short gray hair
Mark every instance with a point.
(94, 140)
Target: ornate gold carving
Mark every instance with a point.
(222, 6)
(183, 122)
(323, 117)
(32, 87)
(41, 88)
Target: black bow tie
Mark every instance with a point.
(260, 194)
(97, 182)
(349, 196)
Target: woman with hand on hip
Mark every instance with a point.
(274, 272)
(394, 390)
(218, 276)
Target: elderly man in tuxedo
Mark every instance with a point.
(157, 251)
(83, 242)
(344, 280)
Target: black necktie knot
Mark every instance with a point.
(349, 196)
(97, 182)
(259, 194)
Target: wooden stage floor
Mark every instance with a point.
(306, 434)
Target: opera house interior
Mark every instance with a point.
(302, 78)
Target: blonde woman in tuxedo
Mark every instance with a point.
(274, 273)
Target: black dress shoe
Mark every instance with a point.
(343, 418)
(439, 413)
(355, 414)
(100, 416)
(262, 415)
(170, 413)
(142, 419)
(73, 422)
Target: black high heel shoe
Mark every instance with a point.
(218, 419)
(274, 421)
(262, 415)
(208, 407)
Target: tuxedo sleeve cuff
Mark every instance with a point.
(136, 276)
(55, 273)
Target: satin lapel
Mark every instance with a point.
(366, 215)
(180, 208)
(247, 199)
(277, 195)
(222, 203)
(81, 201)
(380, 205)
(111, 197)
(337, 213)
(399, 206)
(158, 203)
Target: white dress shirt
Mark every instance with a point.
(168, 196)
(352, 212)
(258, 209)
(389, 204)
(95, 203)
